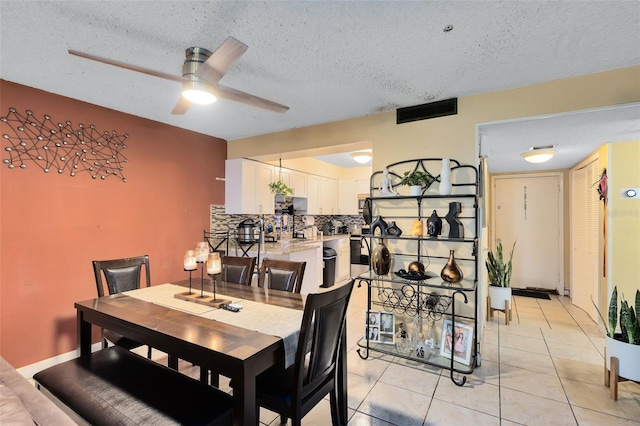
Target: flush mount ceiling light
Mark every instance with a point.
(362, 157)
(539, 154)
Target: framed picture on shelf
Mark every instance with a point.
(387, 327)
(458, 338)
(372, 326)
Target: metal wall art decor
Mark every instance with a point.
(61, 147)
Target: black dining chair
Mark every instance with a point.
(121, 275)
(279, 274)
(239, 270)
(294, 391)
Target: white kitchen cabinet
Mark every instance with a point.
(348, 191)
(294, 179)
(322, 195)
(347, 197)
(342, 246)
(328, 196)
(313, 194)
(362, 186)
(246, 187)
(298, 183)
(343, 262)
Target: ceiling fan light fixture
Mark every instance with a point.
(198, 93)
(539, 154)
(362, 157)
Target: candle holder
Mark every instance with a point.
(190, 265)
(214, 268)
(202, 296)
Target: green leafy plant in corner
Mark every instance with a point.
(417, 177)
(629, 319)
(499, 271)
(280, 187)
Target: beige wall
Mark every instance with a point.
(453, 136)
(624, 219)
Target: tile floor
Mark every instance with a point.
(544, 368)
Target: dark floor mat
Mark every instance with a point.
(530, 293)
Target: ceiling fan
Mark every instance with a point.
(201, 72)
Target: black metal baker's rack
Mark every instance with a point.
(428, 298)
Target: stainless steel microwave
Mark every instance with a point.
(361, 198)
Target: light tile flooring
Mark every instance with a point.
(544, 368)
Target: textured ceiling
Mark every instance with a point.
(326, 60)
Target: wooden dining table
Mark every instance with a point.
(236, 352)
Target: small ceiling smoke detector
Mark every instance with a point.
(539, 154)
(362, 157)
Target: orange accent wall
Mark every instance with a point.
(53, 225)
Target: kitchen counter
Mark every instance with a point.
(296, 245)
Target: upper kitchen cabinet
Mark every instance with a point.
(298, 183)
(348, 191)
(294, 179)
(328, 196)
(322, 195)
(246, 187)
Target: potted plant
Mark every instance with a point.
(280, 189)
(625, 346)
(417, 181)
(499, 277)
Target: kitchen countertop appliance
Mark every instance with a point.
(248, 231)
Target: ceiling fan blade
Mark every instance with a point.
(228, 93)
(126, 66)
(214, 68)
(181, 106)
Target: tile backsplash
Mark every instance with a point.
(222, 222)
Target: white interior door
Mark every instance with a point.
(527, 208)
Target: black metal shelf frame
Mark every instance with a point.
(424, 299)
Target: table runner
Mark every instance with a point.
(261, 317)
(267, 319)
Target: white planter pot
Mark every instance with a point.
(415, 190)
(628, 358)
(499, 295)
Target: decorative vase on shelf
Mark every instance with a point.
(434, 225)
(445, 178)
(381, 259)
(393, 230)
(451, 272)
(456, 228)
(380, 224)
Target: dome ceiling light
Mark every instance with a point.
(539, 154)
(362, 157)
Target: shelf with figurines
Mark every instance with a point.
(424, 268)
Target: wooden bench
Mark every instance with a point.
(115, 386)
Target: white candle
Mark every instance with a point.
(214, 264)
(202, 250)
(190, 261)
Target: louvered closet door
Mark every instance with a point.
(584, 237)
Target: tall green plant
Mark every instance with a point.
(499, 271)
(629, 318)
